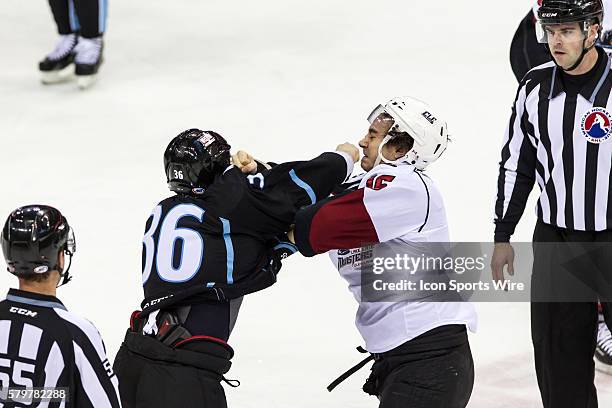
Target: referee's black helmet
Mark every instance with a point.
(570, 11)
(32, 239)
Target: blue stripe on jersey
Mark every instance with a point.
(304, 185)
(72, 17)
(229, 247)
(102, 12)
(35, 302)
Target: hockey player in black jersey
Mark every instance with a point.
(214, 241)
(42, 345)
(525, 50)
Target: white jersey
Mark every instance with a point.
(393, 204)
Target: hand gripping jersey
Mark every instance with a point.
(216, 246)
(398, 205)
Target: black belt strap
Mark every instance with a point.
(231, 383)
(352, 371)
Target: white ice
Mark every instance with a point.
(286, 80)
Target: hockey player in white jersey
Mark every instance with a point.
(421, 349)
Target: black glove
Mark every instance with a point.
(279, 249)
(274, 263)
(283, 248)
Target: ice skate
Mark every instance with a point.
(87, 60)
(603, 352)
(57, 66)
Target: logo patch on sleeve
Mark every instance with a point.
(596, 125)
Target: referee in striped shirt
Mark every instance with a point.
(49, 357)
(560, 135)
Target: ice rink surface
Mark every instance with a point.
(285, 80)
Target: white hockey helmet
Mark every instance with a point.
(415, 118)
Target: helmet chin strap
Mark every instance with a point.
(65, 276)
(380, 158)
(581, 58)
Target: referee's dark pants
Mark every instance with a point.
(572, 270)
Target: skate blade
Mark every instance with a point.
(603, 368)
(86, 81)
(57, 77)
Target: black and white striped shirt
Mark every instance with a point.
(562, 140)
(44, 345)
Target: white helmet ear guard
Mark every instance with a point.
(415, 118)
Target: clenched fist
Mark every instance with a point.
(244, 162)
(351, 149)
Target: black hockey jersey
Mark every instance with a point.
(218, 243)
(50, 351)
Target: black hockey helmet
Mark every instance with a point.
(32, 239)
(193, 159)
(570, 11)
(584, 12)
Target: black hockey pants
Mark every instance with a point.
(153, 375)
(434, 370)
(429, 373)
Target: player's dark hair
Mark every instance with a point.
(401, 140)
(35, 277)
